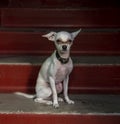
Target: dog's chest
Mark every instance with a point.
(61, 73)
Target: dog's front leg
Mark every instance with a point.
(65, 84)
(53, 87)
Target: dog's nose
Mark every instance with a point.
(64, 47)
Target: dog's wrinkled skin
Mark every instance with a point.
(54, 71)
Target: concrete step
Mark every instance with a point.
(95, 109)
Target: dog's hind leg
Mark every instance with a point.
(43, 95)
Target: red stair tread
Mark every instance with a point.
(32, 43)
(16, 17)
(84, 78)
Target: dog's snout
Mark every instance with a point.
(64, 47)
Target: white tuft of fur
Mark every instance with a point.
(25, 95)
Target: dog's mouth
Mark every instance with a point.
(63, 51)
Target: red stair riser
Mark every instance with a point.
(24, 43)
(61, 3)
(59, 18)
(84, 78)
(58, 3)
(62, 119)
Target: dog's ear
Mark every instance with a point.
(50, 36)
(74, 34)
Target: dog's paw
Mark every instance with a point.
(49, 103)
(37, 99)
(60, 99)
(56, 105)
(70, 101)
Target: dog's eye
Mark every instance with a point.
(58, 41)
(69, 41)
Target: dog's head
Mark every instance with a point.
(63, 40)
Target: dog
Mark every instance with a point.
(53, 77)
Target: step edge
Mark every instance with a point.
(61, 113)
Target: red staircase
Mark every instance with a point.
(96, 51)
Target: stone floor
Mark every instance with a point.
(84, 104)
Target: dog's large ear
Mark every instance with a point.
(50, 36)
(74, 34)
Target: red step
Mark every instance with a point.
(63, 3)
(58, 3)
(87, 18)
(54, 119)
(32, 43)
(84, 78)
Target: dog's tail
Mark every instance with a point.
(25, 95)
